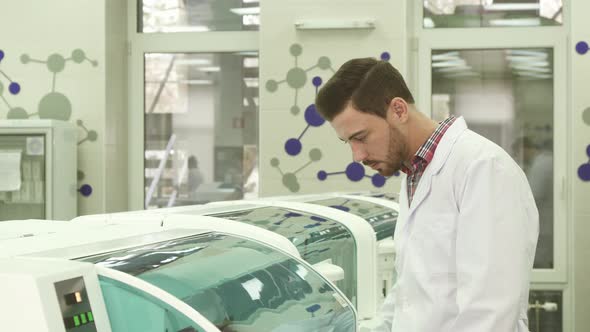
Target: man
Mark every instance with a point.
(468, 225)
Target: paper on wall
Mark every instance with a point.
(10, 178)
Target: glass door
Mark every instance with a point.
(22, 176)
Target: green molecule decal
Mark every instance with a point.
(56, 105)
(290, 178)
(297, 76)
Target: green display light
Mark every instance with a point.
(76, 321)
(90, 316)
(83, 316)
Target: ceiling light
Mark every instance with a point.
(453, 69)
(245, 10)
(209, 69)
(516, 22)
(533, 69)
(335, 24)
(196, 82)
(193, 62)
(251, 82)
(450, 63)
(187, 28)
(453, 55)
(251, 20)
(535, 75)
(530, 64)
(250, 62)
(527, 52)
(525, 59)
(463, 74)
(504, 7)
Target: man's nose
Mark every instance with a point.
(358, 153)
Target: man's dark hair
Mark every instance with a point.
(368, 83)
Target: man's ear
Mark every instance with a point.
(397, 110)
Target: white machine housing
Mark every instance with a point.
(385, 247)
(32, 266)
(364, 237)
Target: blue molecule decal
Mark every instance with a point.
(584, 172)
(322, 175)
(582, 47)
(385, 56)
(85, 190)
(316, 81)
(378, 180)
(13, 88)
(355, 171)
(312, 117)
(293, 146)
(584, 169)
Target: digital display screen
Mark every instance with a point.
(73, 298)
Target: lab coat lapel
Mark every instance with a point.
(440, 157)
(406, 213)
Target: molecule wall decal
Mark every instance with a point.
(290, 180)
(297, 76)
(296, 79)
(584, 169)
(312, 118)
(356, 172)
(53, 105)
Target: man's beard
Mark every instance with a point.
(395, 153)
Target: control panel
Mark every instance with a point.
(75, 307)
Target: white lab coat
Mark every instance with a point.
(465, 247)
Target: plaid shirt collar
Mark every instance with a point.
(426, 152)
